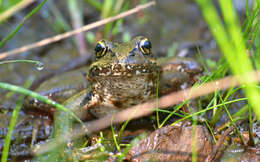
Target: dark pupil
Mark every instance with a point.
(98, 48)
(147, 45)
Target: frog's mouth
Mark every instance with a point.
(121, 70)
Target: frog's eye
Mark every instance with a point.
(100, 49)
(145, 46)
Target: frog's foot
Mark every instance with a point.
(90, 103)
(89, 100)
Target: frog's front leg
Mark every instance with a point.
(80, 103)
(88, 103)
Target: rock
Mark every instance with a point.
(172, 143)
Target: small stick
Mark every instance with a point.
(11, 11)
(149, 107)
(56, 38)
(212, 155)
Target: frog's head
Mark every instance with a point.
(123, 59)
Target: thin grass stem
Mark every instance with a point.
(12, 34)
(13, 121)
(44, 99)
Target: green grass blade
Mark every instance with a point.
(211, 131)
(95, 3)
(210, 108)
(232, 120)
(114, 135)
(251, 122)
(11, 128)
(194, 140)
(39, 65)
(249, 22)
(231, 44)
(60, 23)
(172, 113)
(119, 22)
(12, 34)
(13, 121)
(236, 37)
(38, 97)
(157, 102)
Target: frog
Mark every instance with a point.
(127, 74)
(122, 75)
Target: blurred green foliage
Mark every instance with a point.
(4, 5)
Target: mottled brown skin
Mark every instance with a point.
(127, 74)
(123, 77)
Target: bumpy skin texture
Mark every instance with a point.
(126, 74)
(123, 75)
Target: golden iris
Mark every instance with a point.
(145, 46)
(100, 49)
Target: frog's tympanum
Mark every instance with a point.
(126, 74)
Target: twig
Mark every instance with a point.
(19, 26)
(74, 32)
(212, 155)
(148, 107)
(11, 11)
